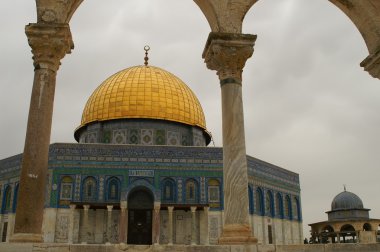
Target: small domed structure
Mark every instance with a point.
(348, 221)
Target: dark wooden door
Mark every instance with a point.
(139, 226)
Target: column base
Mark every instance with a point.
(236, 234)
(26, 238)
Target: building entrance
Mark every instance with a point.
(140, 205)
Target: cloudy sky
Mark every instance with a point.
(308, 105)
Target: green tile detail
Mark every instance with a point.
(106, 136)
(160, 137)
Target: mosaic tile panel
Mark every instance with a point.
(147, 136)
(179, 189)
(133, 136)
(77, 187)
(92, 137)
(119, 137)
(173, 138)
(203, 189)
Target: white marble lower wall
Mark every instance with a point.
(10, 220)
(57, 226)
(284, 232)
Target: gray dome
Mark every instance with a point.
(346, 200)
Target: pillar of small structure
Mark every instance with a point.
(227, 53)
(49, 43)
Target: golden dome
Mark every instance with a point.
(144, 92)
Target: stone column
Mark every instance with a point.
(156, 223)
(85, 223)
(170, 212)
(123, 207)
(70, 237)
(109, 222)
(206, 226)
(193, 225)
(49, 43)
(227, 53)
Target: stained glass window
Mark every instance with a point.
(89, 189)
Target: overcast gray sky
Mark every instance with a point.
(309, 107)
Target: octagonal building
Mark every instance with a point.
(141, 173)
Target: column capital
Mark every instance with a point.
(86, 207)
(49, 43)
(109, 208)
(72, 207)
(371, 64)
(227, 53)
(123, 204)
(193, 209)
(157, 205)
(170, 208)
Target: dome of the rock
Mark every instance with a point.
(143, 92)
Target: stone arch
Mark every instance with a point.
(348, 233)
(141, 183)
(145, 193)
(327, 228)
(367, 227)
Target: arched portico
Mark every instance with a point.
(50, 39)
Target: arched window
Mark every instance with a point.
(6, 206)
(279, 206)
(288, 208)
(250, 199)
(15, 195)
(259, 202)
(214, 193)
(269, 210)
(168, 190)
(296, 209)
(89, 189)
(191, 190)
(113, 189)
(66, 188)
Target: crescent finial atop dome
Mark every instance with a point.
(146, 48)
